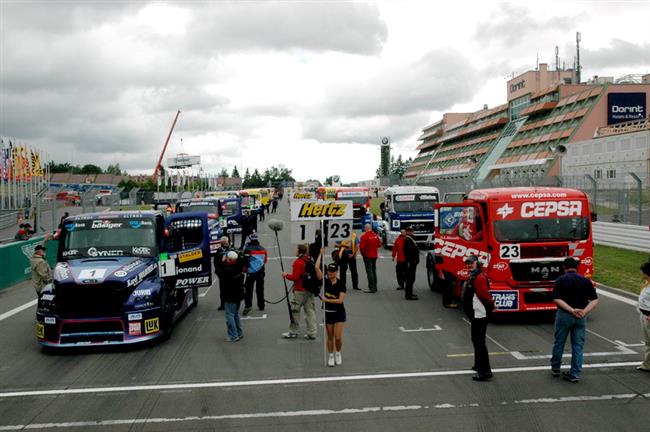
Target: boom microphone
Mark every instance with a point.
(276, 225)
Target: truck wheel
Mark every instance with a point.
(431, 278)
(166, 315)
(195, 297)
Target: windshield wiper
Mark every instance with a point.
(536, 231)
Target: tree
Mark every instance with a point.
(223, 173)
(235, 173)
(247, 179)
(90, 169)
(115, 170)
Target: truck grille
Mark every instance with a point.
(420, 227)
(559, 251)
(91, 301)
(92, 331)
(536, 271)
(538, 297)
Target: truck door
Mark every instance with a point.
(460, 231)
(185, 262)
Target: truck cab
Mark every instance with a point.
(521, 235)
(360, 197)
(123, 277)
(409, 206)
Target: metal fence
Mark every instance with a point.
(623, 200)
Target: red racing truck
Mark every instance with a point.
(521, 235)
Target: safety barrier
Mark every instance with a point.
(631, 237)
(15, 260)
(8, 218)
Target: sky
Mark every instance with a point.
(311, 85)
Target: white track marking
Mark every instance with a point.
(618, 297)
(14, 311)
(627, 345)
(248, 317)
(318, 412)
(289, 381)
(420, 329)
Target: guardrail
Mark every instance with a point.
(631, 237)
(9, 218)
(15, 259)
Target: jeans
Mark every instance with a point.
(371, 272)
(232, 320)
(303, 299)
(566, 323)
(254, 280)
(481, 356)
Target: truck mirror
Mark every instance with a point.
(594, 217)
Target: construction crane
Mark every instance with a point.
(162, 154)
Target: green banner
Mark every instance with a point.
(15, 260)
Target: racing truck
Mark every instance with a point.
(409, 206)
(123, 277)
(521, 235)
(224, 216)
(360, 197)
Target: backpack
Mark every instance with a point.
(309, 279)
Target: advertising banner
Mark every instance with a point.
(317, 210)
(625, 107)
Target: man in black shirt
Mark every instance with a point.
(412, 254)
(575, 297)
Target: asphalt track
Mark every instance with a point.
(406, 366)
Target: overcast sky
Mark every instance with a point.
(311, 85)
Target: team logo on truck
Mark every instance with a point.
(542, 209)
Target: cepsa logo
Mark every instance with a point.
(322, 210)
(551, 208)
(453, 250)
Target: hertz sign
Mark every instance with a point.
(317, 210)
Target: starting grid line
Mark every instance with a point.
(288, 381)
(326, 412)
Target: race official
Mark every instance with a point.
(477, 303)
(256, 258)
(400, 260)
(412, 258)
(302, 299)
(575, 297)
(369, 246)
(41, 271)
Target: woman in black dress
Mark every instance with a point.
(333, 298)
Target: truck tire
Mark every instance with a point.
(195, 297)
(166, 314)
(431, 278)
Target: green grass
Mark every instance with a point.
(374, 205)
(618, 268)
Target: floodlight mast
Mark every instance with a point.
(162, 154)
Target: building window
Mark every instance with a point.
(611, 174)
(598, 173)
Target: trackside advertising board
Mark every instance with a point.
(319, 210)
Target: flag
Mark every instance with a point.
(27, 170)
(15, 162)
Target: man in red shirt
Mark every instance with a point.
(368, 246)
(400, 260)
(301, 297)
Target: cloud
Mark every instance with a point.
(619, 53)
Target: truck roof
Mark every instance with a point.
(525, 194)
(411, 190)
(116, 215)
(193, 200)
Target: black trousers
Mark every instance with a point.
(221, 293)
(481, 356)
(343, 271)
(447, 288)
(255, 280)
(409, 278)
(400, 273)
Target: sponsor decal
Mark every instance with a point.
(143, 305)
(505, 211)
(191, 281)
(151, 325)
(189, 269)
(548, 208)
(190, 256)
(47, 297)
(500, 266)
(135, 224)
(141, 276)
(399, 198)
(127, 268)
(588, 261)
(120, 273)
(97, 273)
(142, 292)
(105, 224)
(141, 250)
(625, 107)
(28, 250)
(49, 320)
(93, 252)
(74, 225)
(303, 195)
(315, 210)
(40, 330)
(135, 317)
(352, 194)
(428, 198)
(544, 271)
(135, 329)
(62, 271)
(70, 252)
(453, 250)
(506, 300)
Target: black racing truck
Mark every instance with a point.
(123, 277)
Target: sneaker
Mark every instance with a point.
(571, 378)
(310, 337)
(369, 291)
(556, 372)
(330, 360)
(246, 311)
(413, 297)
(338, 358)
(642, 368)
(482, 377)
(289, 335)
(399, 288)
(231, 340)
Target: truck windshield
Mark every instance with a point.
(413, 204)
(532, 230)
(109, 238)
(356, 200)
(203, 207)
(228, 208)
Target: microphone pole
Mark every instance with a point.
(276, 226)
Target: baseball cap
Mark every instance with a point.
(253, 237)
(232, 255)
(332, 267)
(39, 247)
(570, 262)
(471, 259)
